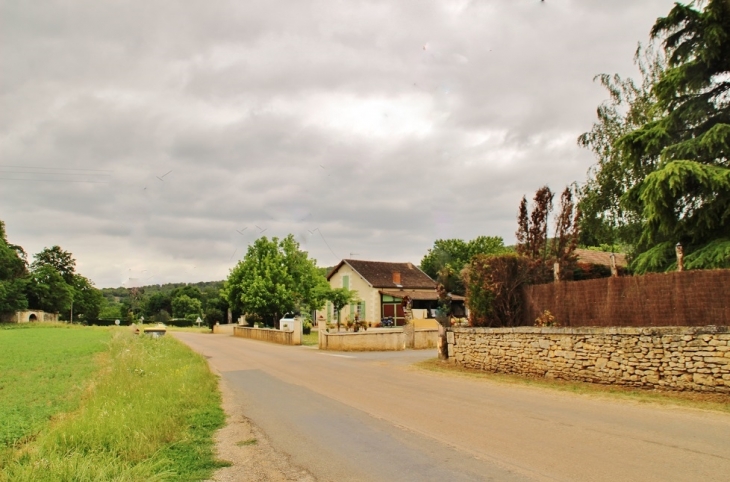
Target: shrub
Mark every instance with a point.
(494, 285)
(546, 319)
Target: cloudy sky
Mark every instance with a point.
(156, 140)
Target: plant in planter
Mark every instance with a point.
(306, 328)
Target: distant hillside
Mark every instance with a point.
(122, 293)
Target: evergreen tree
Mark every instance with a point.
(685, 195)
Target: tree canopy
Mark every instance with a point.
(275, 277)
(13, 275)
(51, 284)
(609, 217)
(686, 198)
(57, 258)
(341, 297)
(671, 175)
(448, 257)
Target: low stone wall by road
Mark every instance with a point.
(671, 358)
(223, 329)
(420, 339)
(266, 334)
(391, 340)
(424, 339)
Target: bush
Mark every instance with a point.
(494, 288)
(181, 322)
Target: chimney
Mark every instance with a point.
(396, 277)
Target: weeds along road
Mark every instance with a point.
(373, 417)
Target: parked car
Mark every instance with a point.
(288, 317)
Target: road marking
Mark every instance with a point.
(341, 356)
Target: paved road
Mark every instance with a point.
(372, 417)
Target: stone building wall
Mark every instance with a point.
(670, 358)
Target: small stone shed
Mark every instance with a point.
(27, 316)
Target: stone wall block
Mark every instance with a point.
(675, 358)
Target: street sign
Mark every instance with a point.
(116, 322)
(198, 321)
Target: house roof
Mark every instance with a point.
(600, 257)
(380, 274)
(431, 295)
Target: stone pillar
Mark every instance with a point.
(409, 332)
(297, 331)
(442, 345)
(321, 330)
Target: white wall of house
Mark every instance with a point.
(369, 297)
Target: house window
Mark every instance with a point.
(346, 282)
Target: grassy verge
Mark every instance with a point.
(149, 415)
(312, 339)
(188, 329)
(705, 401)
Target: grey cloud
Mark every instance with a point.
(294, 116)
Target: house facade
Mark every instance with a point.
(381, 287)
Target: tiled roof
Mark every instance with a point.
(427, 295)
(600, 257)
(380, 274)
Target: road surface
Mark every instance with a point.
(373, 417)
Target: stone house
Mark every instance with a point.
(381, 287)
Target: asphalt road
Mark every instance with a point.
(373, 417)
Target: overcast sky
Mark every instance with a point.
(142, 136)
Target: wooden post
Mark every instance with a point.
(680, 256)
(556, 271)
(614, 270)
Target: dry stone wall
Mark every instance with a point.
(670, 358)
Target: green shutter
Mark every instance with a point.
(362, 311)
(346, 282)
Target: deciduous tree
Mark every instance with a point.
(184, 306)
(341, 297)
(13, 275)
(273, 278)
(61, 260)
(48, 291)
(448, 257)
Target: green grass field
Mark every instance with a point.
(121, 407)
(43, 371)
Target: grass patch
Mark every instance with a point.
(246, 443)
(705, 401)
(44, 370)
(150, 415)
(312, 339)
(187, 329)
